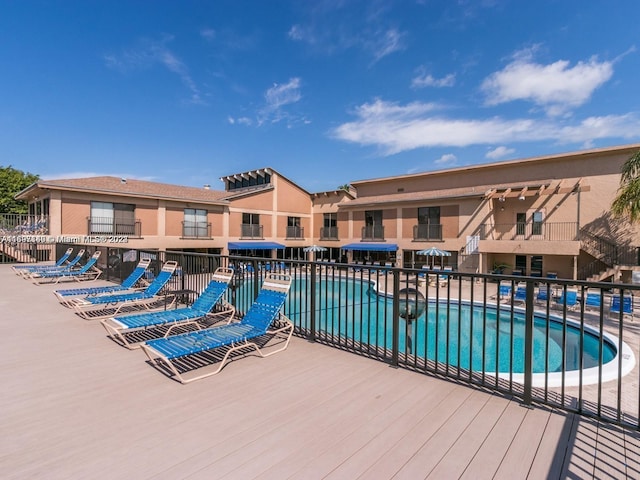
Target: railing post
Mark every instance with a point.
(395, 342)
(256, 279)
(528, 345)
(312, 320)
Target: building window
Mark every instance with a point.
(195, 223)
(536, 226)
(248, 181)
(329, 228)
(429, 226)
(521, 265)
(373, 229)
(294, 230)
(521, 223)
(251, 227)
(112, 218)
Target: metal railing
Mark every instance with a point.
(427, 232)
(23, 224)
(250, 230)
(196, 230)
(548, 231)
(373, 232)
(329, 233)
(607, 251)
(111, 226)
(295, 232)
(544, 341)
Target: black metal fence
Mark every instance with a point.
(568, 344)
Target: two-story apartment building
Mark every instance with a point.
(534, 216)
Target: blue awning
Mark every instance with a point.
(255, 246)
(371, 247)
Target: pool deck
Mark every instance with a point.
(76, 405)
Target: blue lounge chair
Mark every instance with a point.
(20, 269)
(127, 284)
(627, 305)
(521, 293)
(130, 330)
(568, 297)
(103, 306)
(542, 295)
(593, 300)
(28, 272)
(504, 293)
(88, 271)
(263, 318)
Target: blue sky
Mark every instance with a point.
(325, 92)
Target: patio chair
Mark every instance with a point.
(131, 330)
(26, 272)
(103, 306)
(127, 284)
(568, 298)
(88, 272)
(615, 305)
(542, 295)
(179, 353)
(521, 293)
(593, 300)
(20, 269)
(503, 294)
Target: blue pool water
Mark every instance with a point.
(351, 310)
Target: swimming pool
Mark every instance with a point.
(487, 338)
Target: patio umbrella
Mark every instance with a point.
(314, 249)
(434, 252)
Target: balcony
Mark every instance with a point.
(250, 230)
(23, 224)
(373, 232)
(545, 231)
(329, 233)
(111, 226)
(295, 233)
(196, 230)
(424, 232)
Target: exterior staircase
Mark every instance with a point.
(610, 260)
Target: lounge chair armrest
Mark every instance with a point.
(181, 325)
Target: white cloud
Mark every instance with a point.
(276, 98)
(395, 128)
(208, 34)
(385, 43)
(447, 159)
(427, 80)
(150, 53)
(556, 87)
(240, 121)
(499, 152)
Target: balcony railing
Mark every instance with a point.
(295, 232)
(548, 231)
(427, 232)
(329, 233)
(111, 226)
(196, 230)
(373, 232)
(23, 224)
(249, 230)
